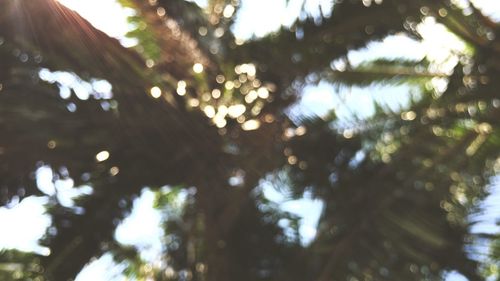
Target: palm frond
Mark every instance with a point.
(382, 72)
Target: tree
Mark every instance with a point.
(194, 109)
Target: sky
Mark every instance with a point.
(142, 227)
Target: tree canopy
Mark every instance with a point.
(207, 122)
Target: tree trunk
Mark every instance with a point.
(211, 199)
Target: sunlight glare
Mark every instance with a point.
(106, 15)
(235, 111)
(102, 156)
(155, 92)
(251, 125)
(198, 68)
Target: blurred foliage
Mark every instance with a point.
(203, 119)
(382, 72)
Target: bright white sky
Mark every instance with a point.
(27, 220)
(26, 225)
